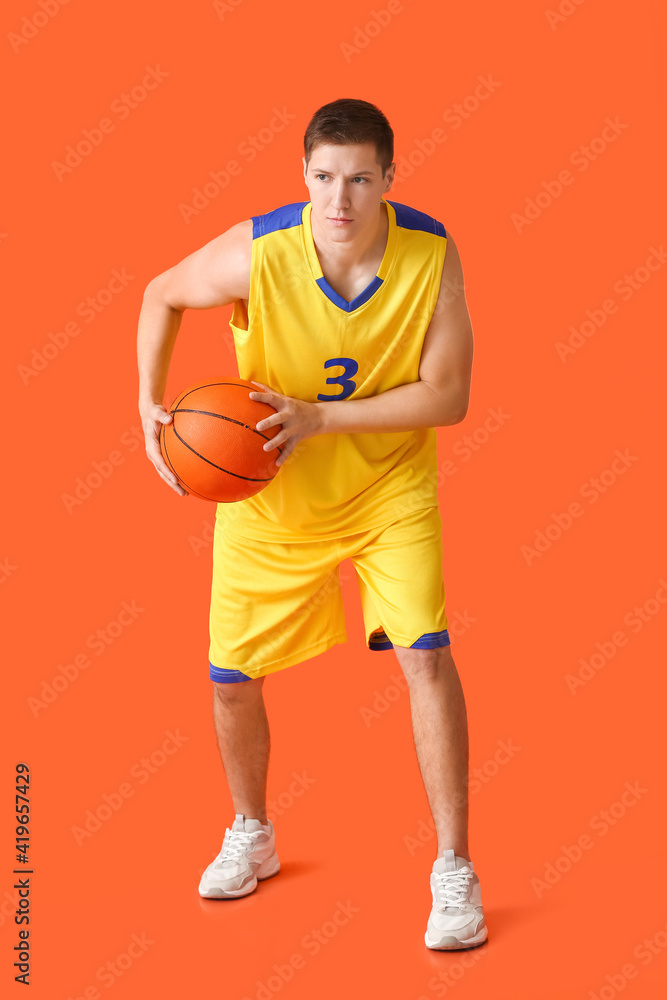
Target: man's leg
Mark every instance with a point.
(440, 729)
(242, 729)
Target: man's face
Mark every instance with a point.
(346, 187)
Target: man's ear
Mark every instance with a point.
(389, 176)
(305, 168)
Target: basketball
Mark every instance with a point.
(212, 445)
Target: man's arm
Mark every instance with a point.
(439, 398)
(215, 275)
(441, 395)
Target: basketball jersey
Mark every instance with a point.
(301, 338)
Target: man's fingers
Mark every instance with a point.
(156, 415)
(263, 397)
(155, 455)
(266, 422)
(286, 452)
(167, 474)
(275, 441)
(153, 420)
(175, 485)
(177, 489)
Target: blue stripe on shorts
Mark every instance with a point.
(225, 676)
(429, 640)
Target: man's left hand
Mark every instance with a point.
(299, 419)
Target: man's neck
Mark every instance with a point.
(368, 247)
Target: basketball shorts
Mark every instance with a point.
(274, 604)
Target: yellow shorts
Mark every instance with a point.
(274, 604)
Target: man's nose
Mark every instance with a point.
(340, 195)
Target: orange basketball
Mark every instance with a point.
(212, 445)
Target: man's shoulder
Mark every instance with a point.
(284, 217)
(411, 218)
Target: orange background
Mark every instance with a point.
(359, 832)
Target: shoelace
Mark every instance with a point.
(452, 888)
(236, 843)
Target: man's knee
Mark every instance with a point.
(239, 691)
(420, 664)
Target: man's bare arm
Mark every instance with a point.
(215, 275)
(441, 395)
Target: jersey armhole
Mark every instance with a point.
(438, 270)
(255, 262)
(242, 317)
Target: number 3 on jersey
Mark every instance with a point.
(350, 367)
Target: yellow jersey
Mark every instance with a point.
(301, 338)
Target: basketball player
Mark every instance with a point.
(349, 316)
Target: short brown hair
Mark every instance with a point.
(350, 122)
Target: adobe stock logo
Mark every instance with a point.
(645, 952)
(248, 149)
(364, 34)
(98, 642)
(591, 490)
(122, 106)
(115, 968)
(565, 10)
(221, 7)
(111, 802)
(7, 568)
(88, 309)
(454, 973)
(603, 821)
(605, 650)
(581, 158)
(475, 781)
(205, 540)
(625, 288)
(101, 470)
(312, 943)
(301, 783)
(453, 117)
(33, 24)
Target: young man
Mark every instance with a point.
(349, 316)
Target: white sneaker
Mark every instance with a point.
(248, 854)
(457, 918)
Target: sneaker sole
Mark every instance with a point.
(453, 944)
(268, 869)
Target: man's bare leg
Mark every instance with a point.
(242, 729)
(440, 729)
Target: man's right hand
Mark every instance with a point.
(153, 415)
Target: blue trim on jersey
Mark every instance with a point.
(429, 640)
(288, 216)
(285, 217)
(410, 218)
(225, 676)
(342, 303)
